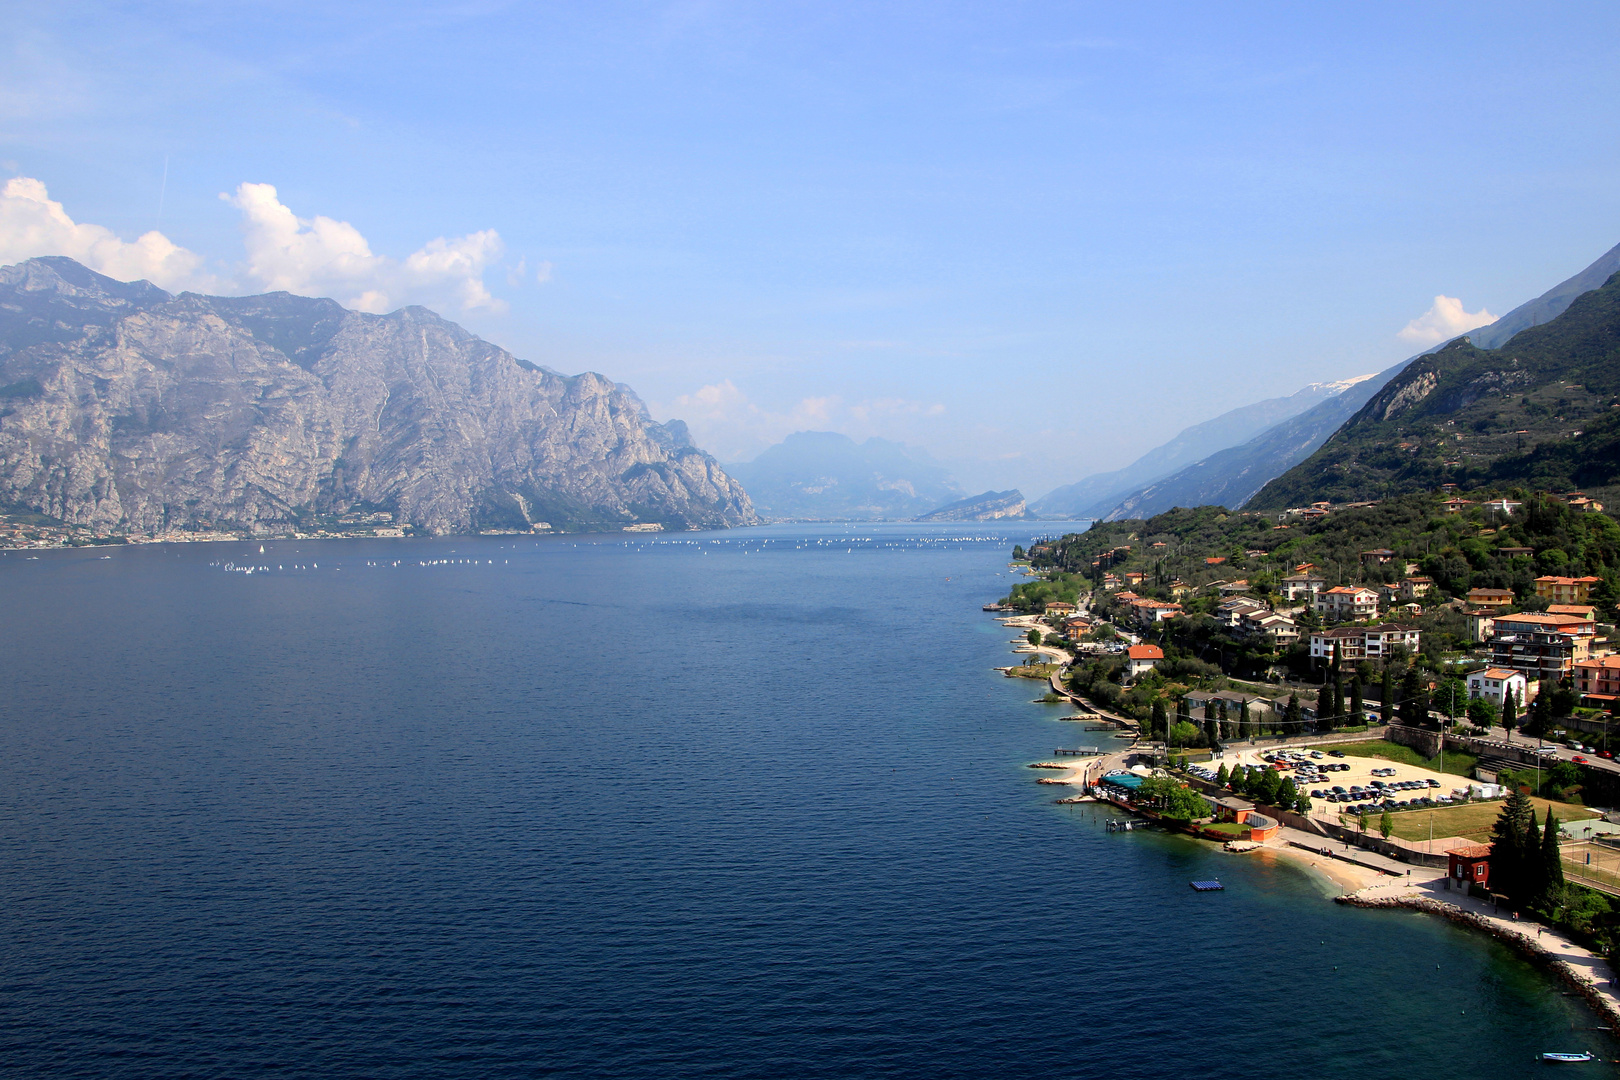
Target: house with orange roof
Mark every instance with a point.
(1599, 679)
(1539, 645)
(1140, 659)
(1565, 590)
(1346, 603)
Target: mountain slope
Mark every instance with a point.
(126, 408)
(1232, 476)
(1470, 416)
(1095, 495)
(825, 476)
(1548, 306)
(989, 506)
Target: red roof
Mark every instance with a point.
(1146, 652)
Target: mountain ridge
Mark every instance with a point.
(125, 407)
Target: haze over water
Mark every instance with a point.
(747, 804)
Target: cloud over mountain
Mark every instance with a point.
(283, 252)
(1445, 319)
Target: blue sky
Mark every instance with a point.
(1035, 239)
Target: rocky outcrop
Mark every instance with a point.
(991, 506)
(123, 407)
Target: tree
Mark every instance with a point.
(1532, 871)
(1413, 709)
(1018, 551)
(1222, 775)
(1212, 734)
(1183, 733)
(1287, 793)
(1302, 804)
(1238, 781)
(1270, 783)
(1552, 863)
(1510, 710)
(1507, 840)
(1209, 708)
(1033, 637)
(1358, 707)
(1293, 717)
(1361, 820)
(1172, 798)
(1159, 721)
(1386, 825)
(1386, 698)
(1481, 713)
(1452, 697)
(1245, 725)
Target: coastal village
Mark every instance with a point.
(1422, 714)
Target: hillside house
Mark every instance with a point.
(1565, 590)
(1490, 598)
(1480, 623)
(1377, 557)
(1540, 646)
(1599, 680)
(1346, 603)
(1495, 684)
(1141, 659)
(1364, 642)
(1415, 588)
(1302, 586)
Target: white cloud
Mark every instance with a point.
(1443, 321)
(324, 257)
(313, 256)
(32, 224)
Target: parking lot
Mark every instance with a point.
(1351, 785)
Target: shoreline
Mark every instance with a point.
(1591, 977)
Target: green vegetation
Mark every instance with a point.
(1534, 413)
(1471, 820)
(1032, 671)
(1455, 761)
(1172, 798)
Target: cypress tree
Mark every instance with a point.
(1212, 733)
(1507, 841)
(1209, 708)
(1510, 710)
(1293, 717)
(1552, 865)
(1183, 708)
(1221, 716)
(1532, 871)
(1358, 707)
(1386, 698)
(1160, 721)
(1245, 725)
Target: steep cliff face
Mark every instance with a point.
(124, 407)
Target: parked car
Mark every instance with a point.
(1579, 760)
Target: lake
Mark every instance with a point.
(739, 804)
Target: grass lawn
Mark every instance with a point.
(1473, 820)
(1228, 828)
(1456, 762)
(1033, 671)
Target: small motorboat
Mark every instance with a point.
(1584, 1055)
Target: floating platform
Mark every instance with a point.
(1208, 886)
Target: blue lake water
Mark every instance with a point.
(746, 804)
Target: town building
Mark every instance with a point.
(1302, 586)
(1060, 608)
(1540, 646)
(1580, 611)
(1480, 624)
(1377, 557)
(1364, 642)
(1151, 612)
(1599, 679)
(1347, 603)
(1516, 552)
(1141, 659)
(1280, 628)
(1565, 590)
(1495, 684)
(1469, 864)
(1414, 588)
(1490, 598)
(1503, 506)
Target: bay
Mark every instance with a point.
(745, 804)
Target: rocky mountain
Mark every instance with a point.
(124, 407)
(825, 476)
(1548, 306)
(990, 506)
(1094, 496)
(1537, 411)
(1232, 476)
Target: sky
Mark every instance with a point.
(1033, 239)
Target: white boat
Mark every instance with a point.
(1583, 1056)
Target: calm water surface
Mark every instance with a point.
(746, 804)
